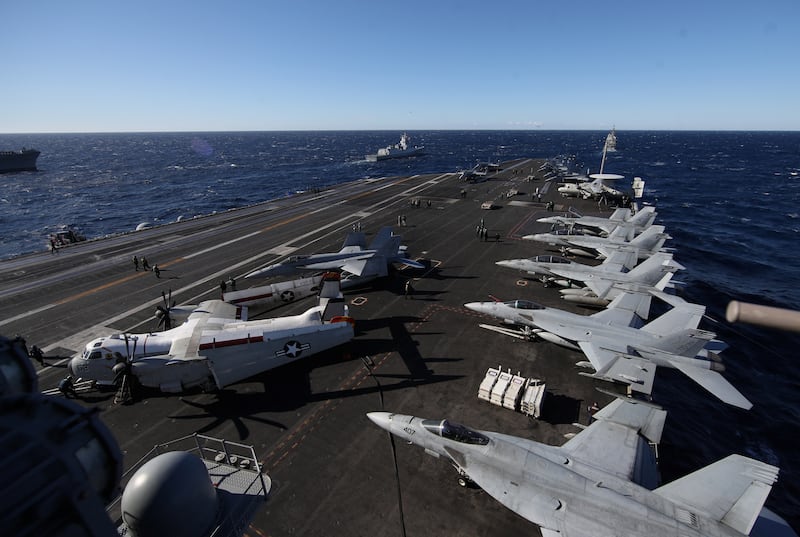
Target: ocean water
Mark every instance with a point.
(730, 200)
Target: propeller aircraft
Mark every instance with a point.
(215, 346)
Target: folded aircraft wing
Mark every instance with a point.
(622, 311)
(614, 443)
(637, 372)
(216, 309)
(732, 491)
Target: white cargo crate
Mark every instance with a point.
(514, 392)
(532, 398)
(485, 389)
(499, 389)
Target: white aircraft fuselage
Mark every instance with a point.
(210, 349)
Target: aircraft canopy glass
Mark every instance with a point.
(524, 305)
(550, 259)
(455, 432)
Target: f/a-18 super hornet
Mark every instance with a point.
(646, 243)
(354, 257)
(622, 217)
(588, 487)
(215, 346)
(598, 285)
(616, 349)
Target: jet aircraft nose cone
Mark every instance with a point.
(381, 419)
(510, 263)
(480, 307)
(256, 273)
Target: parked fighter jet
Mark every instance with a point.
(601, 284)
(544, 266)
(618, 351)
(647, 243)
(587, 487)
(354, 258)
(654, 272)
(214, 347)
(621, 217)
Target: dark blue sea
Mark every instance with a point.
(731, 201)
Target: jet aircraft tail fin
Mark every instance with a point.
(331, 298)
(354, 241)
(643, 217)
(732, 491)
(681, 317)
(383, 241)
(650, 271)
(651, 239)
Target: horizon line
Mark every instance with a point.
(390, 130)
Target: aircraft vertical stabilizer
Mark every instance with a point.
(331, 298)
(382, 239)
(354, 242)
(685, 316)
(651, 239)
(732, 491)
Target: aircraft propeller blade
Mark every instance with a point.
(162, 312)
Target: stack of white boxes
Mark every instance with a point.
(514, 392)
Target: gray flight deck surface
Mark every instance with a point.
(332, 469)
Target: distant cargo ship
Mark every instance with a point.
(18, 161)
(398, 150)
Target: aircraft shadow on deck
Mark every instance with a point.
(284, 391)
(560, 409)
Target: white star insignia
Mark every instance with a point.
(293, 349)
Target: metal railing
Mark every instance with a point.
(213, 450)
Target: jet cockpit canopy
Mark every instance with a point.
(524, 305)
(455, 432)
(550, 259)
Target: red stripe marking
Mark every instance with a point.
(231, 342)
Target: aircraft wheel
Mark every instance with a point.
(462, 481)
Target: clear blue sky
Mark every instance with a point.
(175, 65)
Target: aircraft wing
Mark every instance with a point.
(638, 373)
(216, 309)
(612, 442)
(623, 309)
(732, 491)
(689, 343)
(526, 500)
(714, 383)
(370, 266)
(601, 358)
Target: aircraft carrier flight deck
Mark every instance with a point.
(333, 472)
